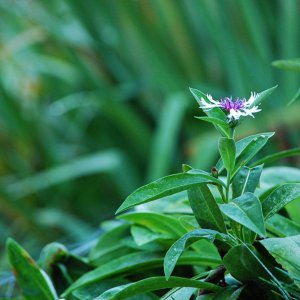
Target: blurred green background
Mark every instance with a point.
(95, 102)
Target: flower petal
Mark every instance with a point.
(252, 98)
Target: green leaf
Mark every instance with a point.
(278, 155)
(167, 186)
(136, 262)
(274, 176)
(227, 151)
(142, 235)
(242, 265)
(109, 242)
(91, 291)
(52, 253)
(154, 284)
(288, 64)
(205, 208)
(33, 281)
(286, 251)
(252, 148)
(263, 95)
(161, 223)
(215, 113)
(184, 293)
(280, 197)
(178, 247)
(214, 121)
(189, 222)
(282, 226)
(247, 211)
(246, 180)
(242, 144)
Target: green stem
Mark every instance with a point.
(228, 171)
(227, 186)
(220, 189)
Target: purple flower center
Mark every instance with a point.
(228, 104)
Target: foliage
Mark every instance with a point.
(92, 104)
(211, 236)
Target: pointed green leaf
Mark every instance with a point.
(242, 144)
(178, 247)
(214, 121)
(280, 197)
(205, 208)
(167, 186)
(33, 281)
(255, 145)
(154, 284)
(227, 151)
(247, 211)
(263, 95)
(246, 180)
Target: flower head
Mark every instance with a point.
(234, 108)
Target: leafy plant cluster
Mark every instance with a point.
(78, 109)
(207, 236)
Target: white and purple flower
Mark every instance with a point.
(235, 108)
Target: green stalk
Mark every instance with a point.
(229, 172)
(227, 186)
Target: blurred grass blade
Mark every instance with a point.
(106, 161)
(288, 64)
(166, 136)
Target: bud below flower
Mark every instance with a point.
(214, 172)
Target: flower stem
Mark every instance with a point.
(227, 186)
